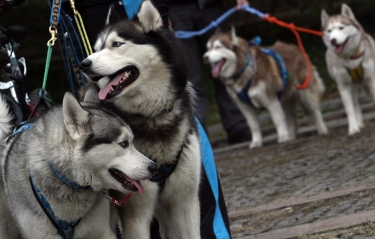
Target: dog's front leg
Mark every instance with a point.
(348, 101)
(251, 117)
(181, 221)
(278, 118)
(136, 213)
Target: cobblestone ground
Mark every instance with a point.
(306, 166)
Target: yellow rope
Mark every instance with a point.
(81, 29)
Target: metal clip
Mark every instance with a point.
(73, 7)
(114, 201)
(53, 32)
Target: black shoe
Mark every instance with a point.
(243, 136)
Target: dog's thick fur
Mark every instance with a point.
(156, 101)
(227, 53)
(87, 145)
(5, 118)
(349, 47)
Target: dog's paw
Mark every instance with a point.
(354, 131)
(255, 144)
(323, 131)
(283, 138)
(361, 125)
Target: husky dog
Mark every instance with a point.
(141, 75)
(53, 172)
(253, 80)
(350, 59)
(5, 118)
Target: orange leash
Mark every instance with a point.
(295, 30)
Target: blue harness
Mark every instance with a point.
(65, 229)
(243, 93)
(280, 65)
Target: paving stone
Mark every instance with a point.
(308, 166)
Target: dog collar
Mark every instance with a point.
(113, 200)
(165, 170)
(357, 56)
(64, 179)
(165, 110)
(65, 229)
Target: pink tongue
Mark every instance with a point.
(137, 185)
(216, 69)
(339, 48)
(115, 82)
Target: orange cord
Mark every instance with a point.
(295, 30)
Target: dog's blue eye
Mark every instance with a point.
(117, 44)
(124, 144)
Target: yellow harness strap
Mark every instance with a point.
(356, 73)
(81, 29)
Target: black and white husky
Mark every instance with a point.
(350, 59)
(53, 172)
(142, 76)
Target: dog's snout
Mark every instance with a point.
(152, 167)
(333, 41)
(85, 64)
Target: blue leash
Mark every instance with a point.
(216, 23)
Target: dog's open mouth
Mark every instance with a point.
(118, 82)
(216, 68)
(125, 181)
(340, 47)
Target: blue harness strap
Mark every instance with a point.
(243, 93)
(281, 66)
(209, 166)
(131, 7)
(65, 229)
(165, 170)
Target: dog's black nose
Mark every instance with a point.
(333, 41)
(206, 59)
(152, 167)
(85, 64)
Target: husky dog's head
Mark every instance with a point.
(341, 33)
(136, 62)
(224, 53)
(101, 144)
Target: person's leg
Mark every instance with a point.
(233, 121)
(180, 15)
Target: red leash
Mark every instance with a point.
(295, 30)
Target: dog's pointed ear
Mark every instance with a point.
(324, 17)
(234, 36)
(75, 118)
(91, 93)
(149, 17)
(112, 16)
(347, 11)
